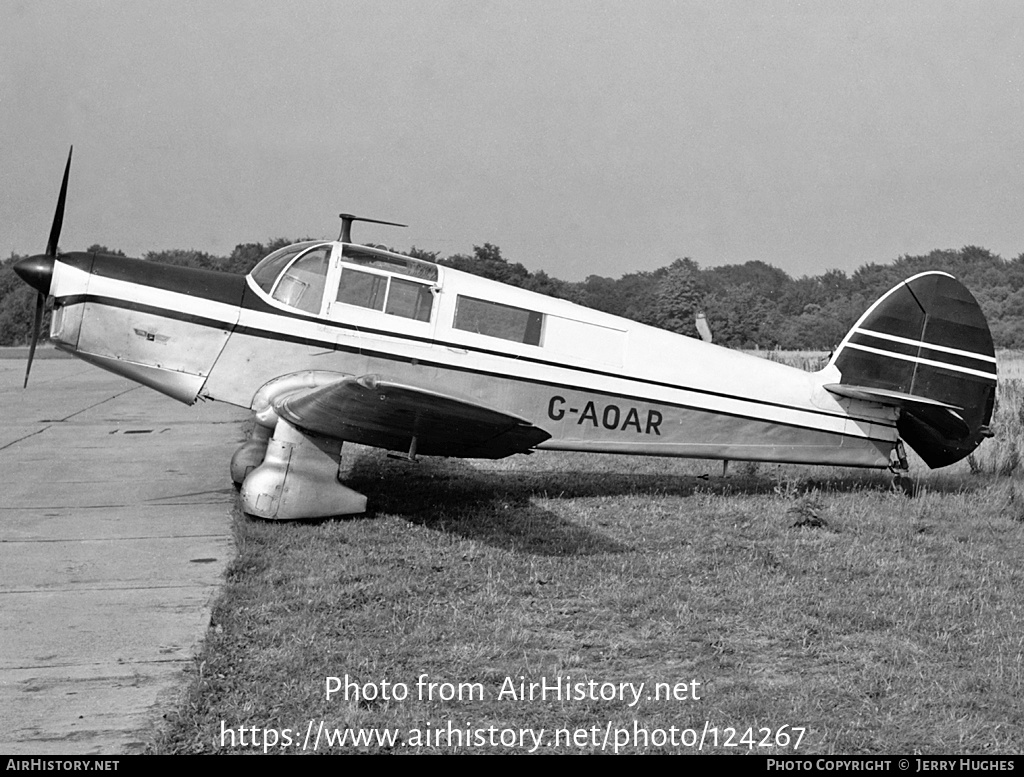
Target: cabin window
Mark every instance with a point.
(363, 289)
(409, 300)
(395, 296)
(497, 320)
(302, 286)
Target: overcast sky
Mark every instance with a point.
(580, 137)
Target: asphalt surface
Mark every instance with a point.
(115, 530)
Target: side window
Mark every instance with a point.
(362, 288)
(497, 320)
(302, 286)
(395, 296)
(409, 300)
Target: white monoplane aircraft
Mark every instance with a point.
(330, 341)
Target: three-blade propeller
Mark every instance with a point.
(37, 270)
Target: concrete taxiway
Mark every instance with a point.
(115, 530)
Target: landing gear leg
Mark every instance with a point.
(299, 479)
(251, 453)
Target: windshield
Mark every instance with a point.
(266, 272)
(302, 284)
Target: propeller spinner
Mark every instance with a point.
(37, 271)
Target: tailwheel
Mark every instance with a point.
(901, 483)
(900, 469)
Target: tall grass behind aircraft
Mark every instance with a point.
(330, 341)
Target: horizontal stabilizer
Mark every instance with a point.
(924, 347)
(885, 396)
(943, 414)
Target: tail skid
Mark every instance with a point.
(925, 348)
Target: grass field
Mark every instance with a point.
(801, 605)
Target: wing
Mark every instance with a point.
(385, 414)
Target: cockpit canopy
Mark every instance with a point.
(299, 275)
(295, 275)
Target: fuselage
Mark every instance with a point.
(593, 381)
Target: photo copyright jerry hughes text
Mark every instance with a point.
(868, 764)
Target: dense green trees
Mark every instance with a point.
(17, 302)
(751, 305)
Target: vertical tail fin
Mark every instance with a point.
(926, 348)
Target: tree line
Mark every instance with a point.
(750, 305)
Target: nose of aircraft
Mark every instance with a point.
(36, 271)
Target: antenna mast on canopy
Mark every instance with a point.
(346, 225)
